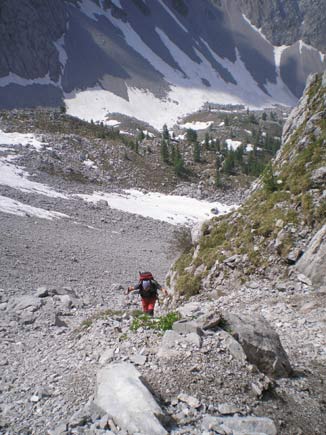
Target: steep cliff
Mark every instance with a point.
(271, 231)
(284, 22)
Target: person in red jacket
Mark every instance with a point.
(148, 289)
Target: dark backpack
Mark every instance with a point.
(152, 291)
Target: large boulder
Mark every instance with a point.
(312, 263)
(121, 393)
(260, 343)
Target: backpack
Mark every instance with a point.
(145, 276)
(152, 291)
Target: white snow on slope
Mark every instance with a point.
(187, 94)
(196, 125)
(278, 51)
(24, 139)
(11, 206)
(13, 176)
(233, 144)
(176, 210)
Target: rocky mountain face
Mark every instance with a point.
(123, 56)
(274, 227)
(288, 21)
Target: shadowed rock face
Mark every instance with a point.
(73, 45)
(288, 21)
(28, 29)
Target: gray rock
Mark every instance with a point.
(209, 321)
(58, 322)
(173, 343)
(138, 359)
(242, 425)
(234, 347)
(106, 356)
(42, 292)
(32, 303)
(121, 394)
(190, 309)
(227, 408)
(318, 176)
(186, 327)
(260, 343)
(27, 317)
(312, 263)
(193, 402)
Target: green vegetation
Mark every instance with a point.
(188, 285)
(287, 201)
(162, 323)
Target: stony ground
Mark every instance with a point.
(50, 351)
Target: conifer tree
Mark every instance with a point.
(206, 143)
(178, 163)
(191, 135)
(196, 151)
(165, 133)
(164, 151)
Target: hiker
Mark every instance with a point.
(148, 288)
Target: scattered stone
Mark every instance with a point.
(226, 409)
(193, 402)
(242, 425)
(58, 322)
(42, 292)
(138, 359)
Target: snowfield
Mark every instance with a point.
(173, 209)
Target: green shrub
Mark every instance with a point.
(188, 285)
(162, 323)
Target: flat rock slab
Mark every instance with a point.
(121, 394)
(241, 425)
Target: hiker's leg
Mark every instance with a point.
(144, 303)
(151, 305)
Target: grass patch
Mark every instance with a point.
(162, 323)
(188, 285)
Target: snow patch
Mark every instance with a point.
(174, 209)
(89, 163)
(11, 206)
(196, 125)
(112, 123)
(14, 176)
(233, 144)
(24, 139)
